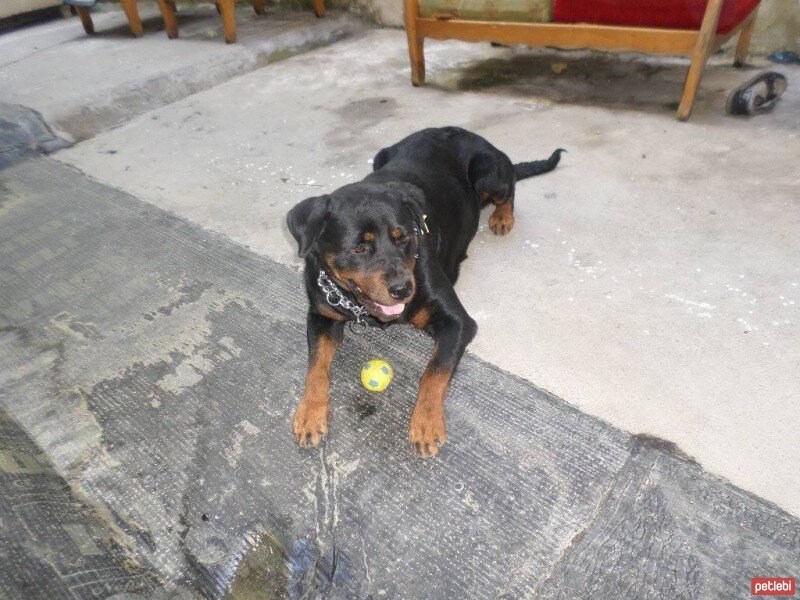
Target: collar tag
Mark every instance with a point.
(421, 228)
(424, 225)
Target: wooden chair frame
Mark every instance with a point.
(696, 44)
(129, 6)
(226, 9)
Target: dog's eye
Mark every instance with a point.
(403, 239)
(360, 249)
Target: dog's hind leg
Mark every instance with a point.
(492, 177)
(501, 220)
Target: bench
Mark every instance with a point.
(692, 28)
(226, 9)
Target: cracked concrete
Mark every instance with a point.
(24, 134)
(76, 553)
(648, 507)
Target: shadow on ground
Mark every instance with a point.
(630, 82)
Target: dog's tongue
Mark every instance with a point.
(394, 309)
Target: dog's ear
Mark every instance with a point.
(412, 197)
(307, 221)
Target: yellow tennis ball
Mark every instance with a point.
(376, 375)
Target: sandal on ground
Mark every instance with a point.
(757, 96)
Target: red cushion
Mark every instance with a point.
(669, 14)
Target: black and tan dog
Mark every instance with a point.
(387, 250)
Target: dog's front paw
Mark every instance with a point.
(426, 430)
(310, 423)
(501, 222)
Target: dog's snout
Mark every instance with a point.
(400, 291)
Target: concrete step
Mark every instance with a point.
(83, 85)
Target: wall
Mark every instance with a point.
(777, 27)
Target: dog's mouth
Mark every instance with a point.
(382, 312)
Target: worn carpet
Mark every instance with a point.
(148, 375)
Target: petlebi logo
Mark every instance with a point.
(773, 586)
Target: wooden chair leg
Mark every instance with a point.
(86, 20)
(705, 38)
(743, 45)
(319, 8)
(167, 9)
(227, 8)
(416, 52)
(260, 6)
(129, 6)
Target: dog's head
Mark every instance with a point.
(363, 236)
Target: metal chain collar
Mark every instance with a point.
(335, 297)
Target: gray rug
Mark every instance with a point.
(155, 368)
(23, 134)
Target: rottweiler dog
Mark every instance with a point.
(387, 250)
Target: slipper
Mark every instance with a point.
(757, 96)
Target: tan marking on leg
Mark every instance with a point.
(426, 429)
(502, 219)
(311, 419)
(421, 318)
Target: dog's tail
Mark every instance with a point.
(537, 167)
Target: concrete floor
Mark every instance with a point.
(653, 280)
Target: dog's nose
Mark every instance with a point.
(400, 291)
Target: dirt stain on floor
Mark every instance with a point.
(583, 78)
(262, 574)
